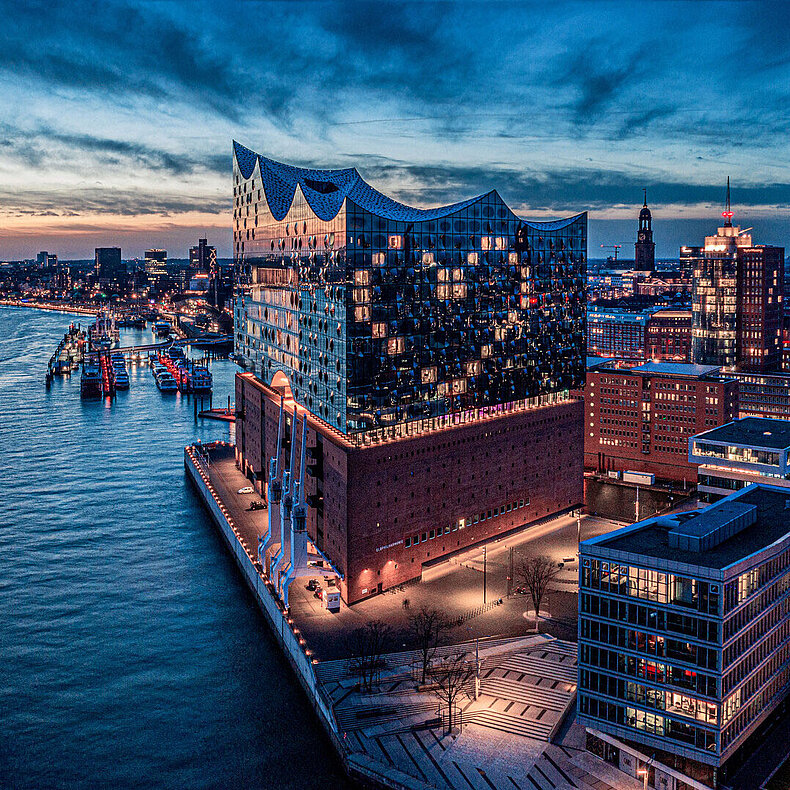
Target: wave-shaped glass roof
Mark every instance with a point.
(325, 191)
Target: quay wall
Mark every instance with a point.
(361, 768)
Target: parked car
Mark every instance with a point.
(246, 490)
(257, 505)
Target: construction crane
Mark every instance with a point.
(615, 247)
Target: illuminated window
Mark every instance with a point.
(395, 242)
(428, 375)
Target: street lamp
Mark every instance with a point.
(645, 772)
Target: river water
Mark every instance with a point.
(131, 653)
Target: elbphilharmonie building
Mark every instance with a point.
(391, 325)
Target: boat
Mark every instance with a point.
(161, 328)
(201, 378)
(133, 322)
(166, 382)
(91, 380)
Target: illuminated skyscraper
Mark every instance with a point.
(737, 300)
(109, 268)
(156, 268)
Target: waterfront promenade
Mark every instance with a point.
(520, 732)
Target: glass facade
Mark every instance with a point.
(385, 317)
(714, 305)
(679, 662)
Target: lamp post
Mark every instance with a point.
(485, 572)
(645, 772)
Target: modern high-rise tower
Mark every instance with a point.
(737, 300)
(645, 248)
(110, 270)
(156, 267)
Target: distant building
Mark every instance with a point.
(645, 248)
(203, 258)
(156, 268)
(748, 450)
(179, 274)
(199, 282)
(62, 275)
(640, 417)
(109, 268)
(668, 336)
(737, 300)
(46, 260)
(763, 394)
(684, 638)
(614, 332)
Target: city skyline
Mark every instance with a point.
(584, 106)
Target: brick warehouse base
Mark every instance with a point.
(380, 512)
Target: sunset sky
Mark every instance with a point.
(116, 119)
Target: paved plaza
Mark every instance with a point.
(527, 691)
(455, 586)
(520, 732)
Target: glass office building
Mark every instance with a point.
(389, 320)
(684, 637)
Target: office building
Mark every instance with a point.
(203, 258)
(684, 638)
(109, 269)
(156, 268)
(763, 394)
(668, 336)
(640, 417)
(46, 260)
(616, 332)
(737, 300)
(432, 351)
(645, 248)
(748, 450)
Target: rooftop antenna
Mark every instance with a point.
(727, 213)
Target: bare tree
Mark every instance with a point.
(454, 677)
(427, 627)
(537, 573)
(366, 645)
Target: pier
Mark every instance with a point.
(68, 355)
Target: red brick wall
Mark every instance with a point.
(374, 497)
(411, 487)
(614, 425)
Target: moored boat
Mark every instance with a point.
(91, 380)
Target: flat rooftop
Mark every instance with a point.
(651, 538)
(671, 369)
(753, 431)
(677, 369)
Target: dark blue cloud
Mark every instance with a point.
(514, 95)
